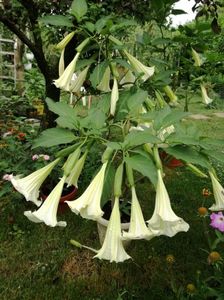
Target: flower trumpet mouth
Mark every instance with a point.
(164, 220)
(139, 68)
(47, 213)
(112, 248)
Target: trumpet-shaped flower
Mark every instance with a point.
(63, 43)
(64, 81)
(104, 85)
(61, 65)
(114, 97)
(113, 249)
(197, 59)
(218, 192)
(29, 186)
(72, 179)
(170, 94)
(128, 80)
(138, 228)
(139, 67)
(164, 219)
(47, 213)
(78, 82)
(88, 205)
(205, 96)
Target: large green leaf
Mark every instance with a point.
(215, 155)
(136, 138)
(79, 9)
(57, 20)
(143, 165)
(136, 99)
(64, 111)
(98, 73)
(94, 120)
(169, 119)
(188, 155)
(53, 137)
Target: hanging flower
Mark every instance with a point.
(47, 213)
(164, 219)
(170, 94)
(113, 249)
(205, 96)
(128, 79)
(139, 67)
(114, 97)
(73, 177)
(61, 65)
(217, 221)
(63, 43)
(29, 186)
(197, 59)
(218, 192)
(138, 228)
(64, 81)
(88, 205)
(78, 82)
(104, 85)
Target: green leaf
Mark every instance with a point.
(101, 23)
(57, 20)
(215, 155)
(79, 9)
(63, 110)
(114, 145)
(108, 184)
(54, 136)
(143, 165)
(136, 138)
(90, 26)
(97, 74)
(94, 120)
(189, 155)
(82, 63)
(136, 99)
(65, 123)
(167, 119)
(178, 12)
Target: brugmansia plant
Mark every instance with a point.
(129, 130)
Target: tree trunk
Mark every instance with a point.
(54, 93)
(19, 51)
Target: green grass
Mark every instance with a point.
(38, 262)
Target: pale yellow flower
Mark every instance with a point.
(47, 213)
(64, 81)
(112, 248)
(138, 228)
(30, 185)
(114, 97)
(139, 67)
(88, 205)
(218, 192)
(164, 220)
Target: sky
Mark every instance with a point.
(186, 6)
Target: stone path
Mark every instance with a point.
(204, 117)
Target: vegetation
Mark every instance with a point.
(127, 95)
